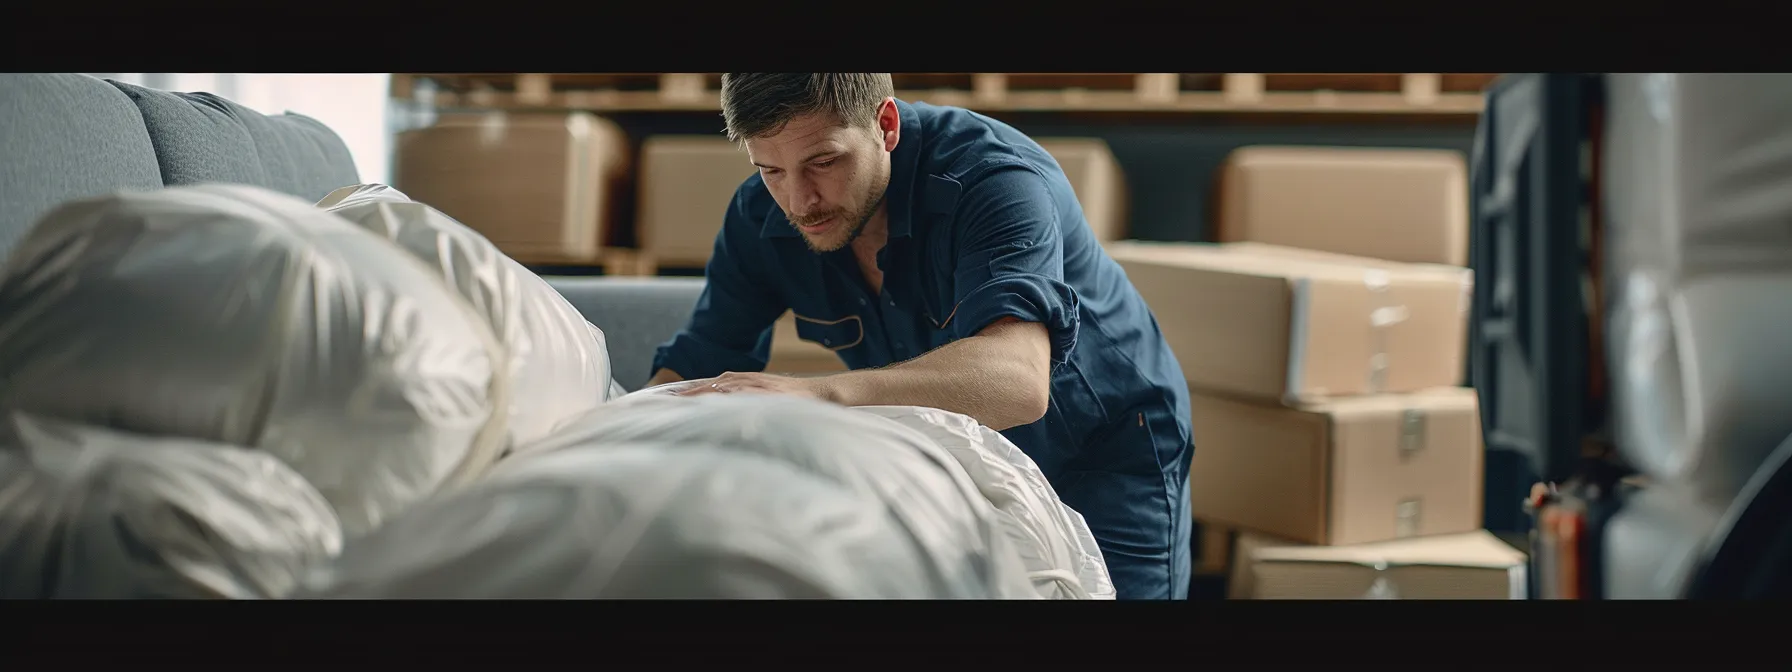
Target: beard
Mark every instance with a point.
(854, 222)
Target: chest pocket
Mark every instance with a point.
(834, 335)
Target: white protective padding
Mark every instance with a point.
(89, 513)
(1698, 272)
(638, 521)
(241, 316)
(1054, 541)
(559, 362)
(955, 529)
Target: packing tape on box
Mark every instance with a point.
(1412, 433)
(1406, 518)
(1411, 440)
(1385, 314)
(1382, 588)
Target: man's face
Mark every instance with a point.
(828, 178)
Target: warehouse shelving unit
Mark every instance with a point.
(1448, 94)
(1101, 99)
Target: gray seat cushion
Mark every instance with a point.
(636, 314)
(200, 137)
(66, 137)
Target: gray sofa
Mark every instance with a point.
(70, 136)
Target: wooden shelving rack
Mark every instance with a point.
(1453, 94)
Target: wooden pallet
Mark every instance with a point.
(602, 91)
(1387, 93)
(996, 88)
(1416, 90)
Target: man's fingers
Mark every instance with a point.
(727, 383)
(729, 388)
(702, 387)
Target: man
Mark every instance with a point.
(944, 257)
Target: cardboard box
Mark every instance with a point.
(1321, 256)
(795, 356)
(1406, 205)
(1348, 471)
(1096, 177)
(1213, 555)
(1281, 324)
(1241, 580)
(542, 187)
(687, 184)
(1470, 566)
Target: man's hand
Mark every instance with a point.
(763, 383)
(1001, 376)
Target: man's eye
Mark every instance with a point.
(824, 164)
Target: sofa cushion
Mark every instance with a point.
(67, 136)
(200, 137)
(635, 314)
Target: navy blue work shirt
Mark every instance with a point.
(983, 225)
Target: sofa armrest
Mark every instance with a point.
(637, 315)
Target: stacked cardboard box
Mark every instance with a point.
(1406, 205)
(1321, 341)
(1346, 471)
(542, 186)
(1468, 566)
(687, 183)
(1278, 323)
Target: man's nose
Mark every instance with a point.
(805, 197)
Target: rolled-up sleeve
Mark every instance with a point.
(1011, 259)
(731, 327)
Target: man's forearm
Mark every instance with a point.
(1001, 379)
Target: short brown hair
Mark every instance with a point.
(758, 104)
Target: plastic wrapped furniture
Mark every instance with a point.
(241, 316)
(89, 513)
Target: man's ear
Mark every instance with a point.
(889, 123)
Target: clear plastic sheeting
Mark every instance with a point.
(241, 316)
(1698, 269)
(559, 363)
(958, 533)
(641, 521)
(1054, 541)
(87, 513)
